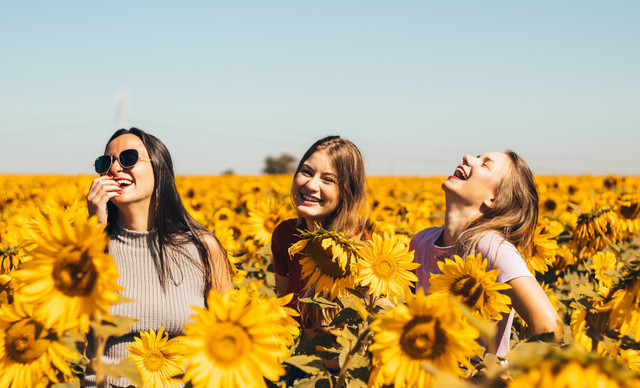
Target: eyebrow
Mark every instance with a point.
(488, 159)
(305, 165)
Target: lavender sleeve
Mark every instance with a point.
(503, 255)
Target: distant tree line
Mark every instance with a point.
(283, 164)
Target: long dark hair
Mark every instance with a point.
(351, 214)
(169, 218)
(514, 215)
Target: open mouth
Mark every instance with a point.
(308, 198)
(460, 173)
(123, 182)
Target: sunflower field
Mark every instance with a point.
(57, 285)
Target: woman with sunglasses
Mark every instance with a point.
(167, 261)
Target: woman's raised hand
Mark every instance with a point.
(101, 191)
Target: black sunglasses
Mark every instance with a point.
(126, 158)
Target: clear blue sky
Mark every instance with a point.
(415, 84)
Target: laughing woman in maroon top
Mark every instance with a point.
(329, 188)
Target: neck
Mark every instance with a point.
(311, 226)
(135, 217)
(456, 219)
(311, 223)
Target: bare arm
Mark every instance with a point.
(281, 284)
(533, 305)
(220, 266)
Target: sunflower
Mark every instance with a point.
(238, 342)
(623, 301)
(629, 357)
(427, 330)
(29, 353)
(551, 204)
(629, 214)
(264, 218)
(329, 260)
(69, 275)
(157, 358)
(11, 252)
(544, 365)
(582, 323)
(544, 246)
(564, 258)
(468, 280)
(595, 230)
(385, 267)
(601, 264)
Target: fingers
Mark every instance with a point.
(101, 191)
(102, 186)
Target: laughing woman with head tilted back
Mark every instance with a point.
(491, 208)
(167, 262)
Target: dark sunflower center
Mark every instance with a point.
(25, 342)
(550, 205)
(469, 288)
(75, 275)
(323, 257)
(631, 211)
(422, 338)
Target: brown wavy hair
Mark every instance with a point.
(514, 214)
(351, 214)
(349, 217)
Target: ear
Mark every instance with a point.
(487, 204)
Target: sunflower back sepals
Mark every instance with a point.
(328, 260)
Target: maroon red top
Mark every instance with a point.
(283, 237)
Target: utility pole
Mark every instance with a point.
(122, 112)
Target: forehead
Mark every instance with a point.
(125, 142)
(500, 159)
(320, 161)
(497, 157)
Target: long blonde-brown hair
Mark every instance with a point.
(351, 214)
(513, 216)
(349, 217)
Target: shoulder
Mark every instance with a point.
(503, 255)
(425, 237)
(210, 241)
(286, 228)
(493, 244)
(283, 236)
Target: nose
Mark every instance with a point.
(312, 183)
(468, 160)
(113, 169)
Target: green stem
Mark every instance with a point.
(362, 339)
(97, 360)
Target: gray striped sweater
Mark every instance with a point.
(134, 253)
